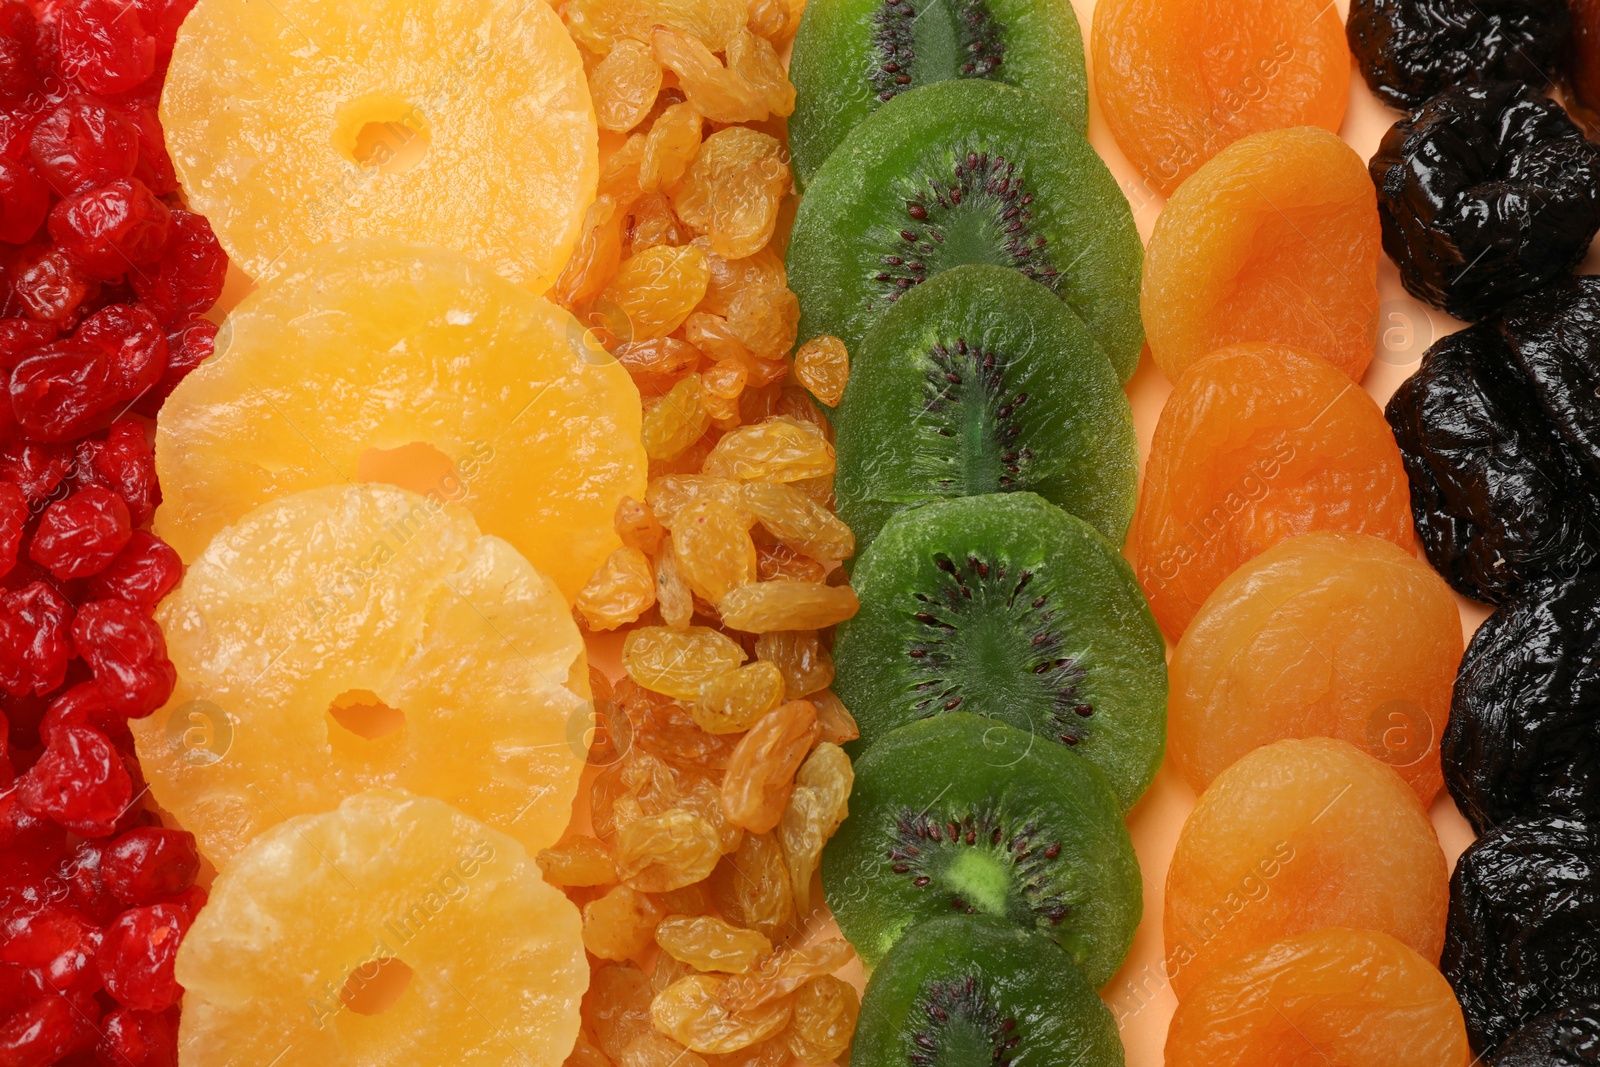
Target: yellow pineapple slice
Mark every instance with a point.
(379, 361)
(462, 123)
(395, 931)
(353, 637)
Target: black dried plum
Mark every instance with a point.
(1489, 191)
(1524, 733)
(1496, 494)
(1523, 937)
(1555, 334)
(1408, 50)
(1566, 1038)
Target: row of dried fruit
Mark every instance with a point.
(718, 772)
(104, 277)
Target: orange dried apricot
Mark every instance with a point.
(1179, 80)
(1325, 635)
(1298, 836)
(1275, 239)
(1331, 996)
(1259, 443)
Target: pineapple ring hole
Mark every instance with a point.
(363, 714)
(375, 986)
(418, 466)
(382, 133)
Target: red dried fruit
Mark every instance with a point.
(155, 167)
(123, 462)
(191, 344)
(84, 142)
(80, 782)
(24, 201)
(145, 570)
(19, 75)
(104, 45)
(13, 517)
(82, 534)
(131, 1038)
(47, 1030)
(36, 467)
(48, 284)
(74, 386)
(57, 946)
(112, 229)
(137, 955)
(150, 863)
(188, 273)
(127, 653)
(37, 644)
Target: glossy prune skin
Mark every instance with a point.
(1523, 936)
(1487, 192)
(1408, 50)
(1496, 494)
(1566, 1038)
(1555, 335)
(1524, 733)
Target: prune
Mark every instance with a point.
(1554, 334)
(1487, 192)
(1566, 1038)
(1496, 494)
(1523, 936)
(1408, 50)
(1523, 737)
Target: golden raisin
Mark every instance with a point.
(769, 18)
(670, 494)
(785, 604)
(579, 861)
(675, 421)
(600, 24)
(654, 291)
(773, 1053)
(838, 725)
(781, 449)
(691, 1013)
(732, 192)
(714, 550)
(781, 561)
(616, 1007)
(780, 974)
(731, 703)
(585, 1053)
(673, 596)
(657, 1050)
(720, 94)
(624, 85)
(767, 322)
(619, 925)
(799, 521)
(819, 803)
(825, 1013)
(702, 794)
(666, 357)
(668, 970)
(619, 592)
(760, 273)
(669, 148)
(619, 172)
(751, 887)
(709, 944)
(677, 663)
(666, 851)
(823, 366)
(654, 223)
(712, 335)
(688, 900)
(799, 655)
(636, 524)
(726, 379)
(596, 257)
(666, 728)
(760, 775)
(755, 60)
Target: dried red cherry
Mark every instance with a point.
(190, 345)
(1408, 50)
(127, 653)
(137, 955)
(14, 515)
(75, 386)
(112, 229)
(151, 863)
(131, 1038)
(122, 461)
(188, 277)
(58, 945)
(84, 142)
(21, 338)
(36, 467)
(24, 201)
(19, 32)
(35, 624)
(1487, 192)
(82, 534)
(49, 286)
(104, 45)
(47, 1030)
(143, 572)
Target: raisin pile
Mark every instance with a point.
(1489, 191)
(103, 280)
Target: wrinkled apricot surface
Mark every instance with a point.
(1179, 80)
(1295, 837)
(1256, 444)
(1326, 635)
(1333, 996)
(1275, 239)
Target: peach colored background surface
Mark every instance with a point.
(1139, 994)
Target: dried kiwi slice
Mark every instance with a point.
(963, 814)
(852, 56)
(980, 991)
(959, 172)
(981, 381)
(1006, 606)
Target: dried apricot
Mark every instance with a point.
(1295, 837)
(1325, 635)
(1275, 239)
(690, 1012)
(707, 943)
(1179, 80)
(1331, 996)
(761, 773)
(1259, 443)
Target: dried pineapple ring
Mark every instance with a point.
(378, 345)
(388, 889)
(461, 123)
(372, 596)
